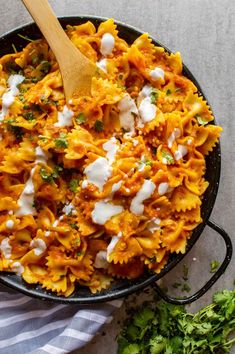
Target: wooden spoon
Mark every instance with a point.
(76, 69)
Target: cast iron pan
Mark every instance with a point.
(122, 288)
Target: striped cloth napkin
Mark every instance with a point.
(30, 326)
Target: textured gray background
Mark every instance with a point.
(204, 32)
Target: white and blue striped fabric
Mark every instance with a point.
(31, 326)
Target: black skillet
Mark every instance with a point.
(121, 288)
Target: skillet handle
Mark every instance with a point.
(212, 280)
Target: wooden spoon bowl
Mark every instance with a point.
(76, 69)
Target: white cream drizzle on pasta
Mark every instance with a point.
(6, 248)
(145, 192)
(8, 97)
(107, 44)
(104, 211)
(39, 246)
(98, 172)
(65, 118)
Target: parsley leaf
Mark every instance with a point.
(200, 120)
(44, 66)
(81, 118)
(28, 115)
(50, 177)
(74, 226)
(99, 126)
(61, 142)
(168, 92)
(214, 265)
(154, 96)
(17, 131)
(167, 155)
(73, 185)
(161, 327)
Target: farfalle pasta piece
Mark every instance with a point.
(125, 250)
(98, 281)
(211, 140)
(130, 270)
(183, 199)
(80, 143)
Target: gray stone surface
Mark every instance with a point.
(204, 32)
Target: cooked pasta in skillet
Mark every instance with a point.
(105, 186)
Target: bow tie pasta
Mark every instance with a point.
(103, 187)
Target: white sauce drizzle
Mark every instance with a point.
(111, 147)
(145, 192)
(84, 184)
(102, 64)
(189, 141)
(127, 108)
(8, 97)
(55, 223)
(39, 246)
(104, 211)
(154, 225)
(17, 268)
(174, 135)
(147, 110)
(180, 152)
(112, 244)
(41, 156)
(26, 199)
(163, 188)
(98, 172)
(6, 248)
(10, 224)
(157, 74)
(107, 44)
(47, 233)
(101, 260)
(65, 118)
(116, 187)
(69, 209)
(135, 142)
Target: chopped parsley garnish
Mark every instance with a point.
(44, 66)
(25, 37)
(166, 155)
(50, 177)
(99, 126)
(61, 142)
(74, 226)
(185, 272)
(186, 288)
(17, 131)
(79, 254)
(176, 285)
(29, 116)
(73, 185)
(154, 96)
(148, 163)
(14, 47)
(214, 266)
(179, 89)
(168, 92)
(81, 118)
(200, 120)
(163, 328)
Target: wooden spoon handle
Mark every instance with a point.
(50, 27)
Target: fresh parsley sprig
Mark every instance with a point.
(164, 328)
